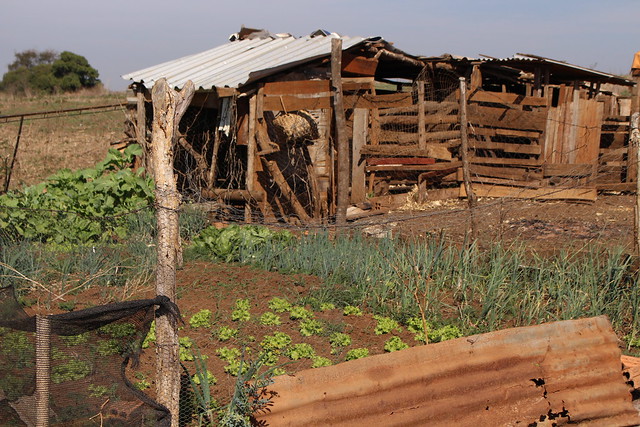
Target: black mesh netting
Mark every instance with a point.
(89, 353)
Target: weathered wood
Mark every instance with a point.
(634, 140)
(506, 132)
(358, 176)
(464, 153)
(141, 128)
(14, 155)
(507, 118)
(444, 107)
(561, 169)
(233, 195)
(433, 149)
(250, 177)
(507, 98)
(429, 119)
(294, 103)
(376, 161)
(359, 65)
(422, 140)
(502, 161)
(509, 148)
(341, 136)
(505, 172)
(408, 137)
(549, 193)
(298, 87)
(411, 168)
(401, 99)
(168, 108)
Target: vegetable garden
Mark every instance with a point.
(261, 301)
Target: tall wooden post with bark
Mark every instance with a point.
(168, 108)
(341, 137)
(464, 138)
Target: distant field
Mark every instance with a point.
(48, 145)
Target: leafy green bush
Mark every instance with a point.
(386, 325)
(447, 332)
(319, 362)
(352, 310)
(300, 313)
(240, 312)
(301, 351)
(277, 341)
(70, 371)
(270, 319)
(202, 319)
(279, 305)
(79, 207)
(225, 333)
(311, 327)
(357, 353)
(227, 243)
(339, 339)
(394, 344)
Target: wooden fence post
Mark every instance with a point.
(342, 187)
(168, 108)
(13, 157)
(634, 141)
(464, 137)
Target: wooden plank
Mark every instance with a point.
(507, 98)
(401, 99)
(561, 169)
(618, 186)
(359, 65)
(358, 177)
(296, 87)
(376, 161)
(294, 103)
(422, 140)
(509, 182)
(548, 193)
(428, 106)
(503, 161)
(507, 132)
(507, 173)
(507, 118)
(408, 137)
(407, 150)
(411, 168)
(509, 148)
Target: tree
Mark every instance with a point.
(74, 72)
(48, 72)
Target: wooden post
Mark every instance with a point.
(168, 108)
(358, 179)
(342, 186)
(634, 140)
(422, 130)
(13, 157)
(251, 156)
(464, 138)
(43, 370)
(141, 127)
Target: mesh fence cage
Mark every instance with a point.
(82, 359)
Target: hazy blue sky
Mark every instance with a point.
(119, 36)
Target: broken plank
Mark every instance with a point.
(376, 161)
(504, 161)
(507, 118)
(409, 168)
(507, 132)
(548, 193)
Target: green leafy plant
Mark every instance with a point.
(357, 353)
(225, 333)
(352, 310)
(201, 319)
(297, 313)
(277, 341)
(447, 332)
(201, 383)
(270, 319)
(326, 306)
(338, 340)
(311, 327)
(319, 362)
(301, 351)
(186, 343)
(241, 312)
(72, 370)
(386, 325)
(151, 335)
(279, 305)
(394, 344)
(119, 330)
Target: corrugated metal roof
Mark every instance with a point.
(569, 371)
(232, 64)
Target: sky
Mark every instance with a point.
(118, 36)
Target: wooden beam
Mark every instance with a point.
(294, 103)
(509, 148)
(433, 148)
(548, 193)
(507, 118)
(507, 98)
(504, 161)
(409, 137)
(505, 172)
(298, 87)
(358, 176)
(567, 170)
(400, 99)
(340, 129)
(413, 168)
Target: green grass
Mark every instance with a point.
(477, 290)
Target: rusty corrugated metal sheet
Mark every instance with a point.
(232, 64)
(567, 370)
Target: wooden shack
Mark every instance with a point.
(260, 133)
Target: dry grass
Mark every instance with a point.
(48, 145)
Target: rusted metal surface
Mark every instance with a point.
(569, 371)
